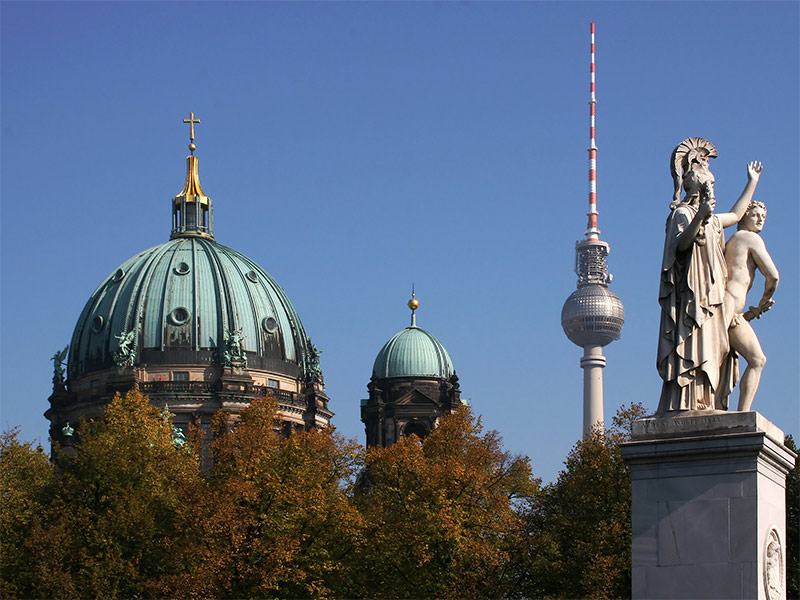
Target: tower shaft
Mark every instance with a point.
(592, 363)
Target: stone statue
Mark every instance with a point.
(693, 348)
(58, 365)
(314, 374)
(234, 355)
(744, 253)
(125, 356)
(178, 437)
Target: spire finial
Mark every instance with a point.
(191, 121)
(191, 209)
(413, 304)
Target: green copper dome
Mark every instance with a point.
(191, 301)
(194, 325)
(181, 299)
(413, 352)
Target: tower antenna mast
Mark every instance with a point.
(592, 232)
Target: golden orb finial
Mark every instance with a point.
(413, 304)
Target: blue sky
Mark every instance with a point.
(354, 148)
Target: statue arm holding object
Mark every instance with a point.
(686, 238)
(767, 267)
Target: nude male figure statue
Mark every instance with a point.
(744, 253)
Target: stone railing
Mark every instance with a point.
(210, 387)
(283, 396)
(178, 387)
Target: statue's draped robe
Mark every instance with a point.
(694, 360)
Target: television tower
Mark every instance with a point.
(593, 315)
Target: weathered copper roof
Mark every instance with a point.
(180, 298)
(413, 352)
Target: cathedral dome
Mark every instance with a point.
(413, 352)
(413, 384)
(180, 299)
(196, 326)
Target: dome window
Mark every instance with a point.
(118, 275)
(270, 325)
(97, 324)
(252, 276)
(182, 269)
(179, 316)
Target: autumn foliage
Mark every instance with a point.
(579, 526)
(132, 514)
(101, 521)
(440, 514)
(273, 518)
(793, 527)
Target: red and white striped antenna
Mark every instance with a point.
(592, 232)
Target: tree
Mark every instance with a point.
(105, 516)
(793, 527)
(440, 514)
(580, 526)
(26, 480)
(275, 519)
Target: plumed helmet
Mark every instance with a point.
(690, 151)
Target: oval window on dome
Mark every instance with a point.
(118, 275)
(270, 325)
(182, 269)
(179, 316)
(252, 276)
(97, 324)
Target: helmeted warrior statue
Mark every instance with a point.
(694, 358)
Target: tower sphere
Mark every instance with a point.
(592, 315)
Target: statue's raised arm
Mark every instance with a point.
(740, 207)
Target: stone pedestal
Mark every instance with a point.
(708, 506)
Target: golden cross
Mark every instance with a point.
(191, 121)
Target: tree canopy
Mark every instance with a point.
(579, 527)
(793, 527)
(440, 514)
(135, 515)
(249, 513)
